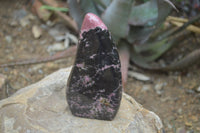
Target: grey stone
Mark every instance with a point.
(139, 76)
(56, 47)
(19, 14)
(8, 39)
(72, 38)
(146, 88)
(159, 87)
(181, 130)
(42, 108)
(24, 22)
(13, 23)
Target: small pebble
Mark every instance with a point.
(6, 69)
(169, 126)
(8, 39)
(19, 14)
(30, 17)
(36, 67)
(198, 89)
(43, 42)
(180, 111)
(55, 47)
(37, 32)
(19, 29)
(13, 23)
(181, 130)
(53, 32)
(159, 88)
(44, 26)
(188, 123)
(66, 43)
(2, 79)
(146, 87)
(72, 38)
(188, 75)
(51, 66)
(139, 76)
(189, 91)
(30, 70)
(59, 38)
(191, 131)
(40, 71)
(24, 22)
(50, 23)
(57, 30)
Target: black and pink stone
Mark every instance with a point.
(94, 89)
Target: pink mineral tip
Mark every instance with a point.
(91, 21)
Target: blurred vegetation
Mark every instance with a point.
(138, 28)
(142, 29)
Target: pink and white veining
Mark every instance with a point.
(91, 21)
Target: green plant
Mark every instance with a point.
(133, 25)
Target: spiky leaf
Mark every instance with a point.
(144, 14)
(116, 17)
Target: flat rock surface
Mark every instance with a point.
(42, 108)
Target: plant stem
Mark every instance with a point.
(186, 25)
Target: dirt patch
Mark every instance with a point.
(173, 96)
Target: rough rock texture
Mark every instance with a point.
(42, 108)
(95, 86)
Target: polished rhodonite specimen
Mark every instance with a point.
(94, 88)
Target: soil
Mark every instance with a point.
(173, 96)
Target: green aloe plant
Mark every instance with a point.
(133, 24)
(136, 26)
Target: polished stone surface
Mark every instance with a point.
(94, 88)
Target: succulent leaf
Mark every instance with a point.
(144, 14)
(116, 17)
